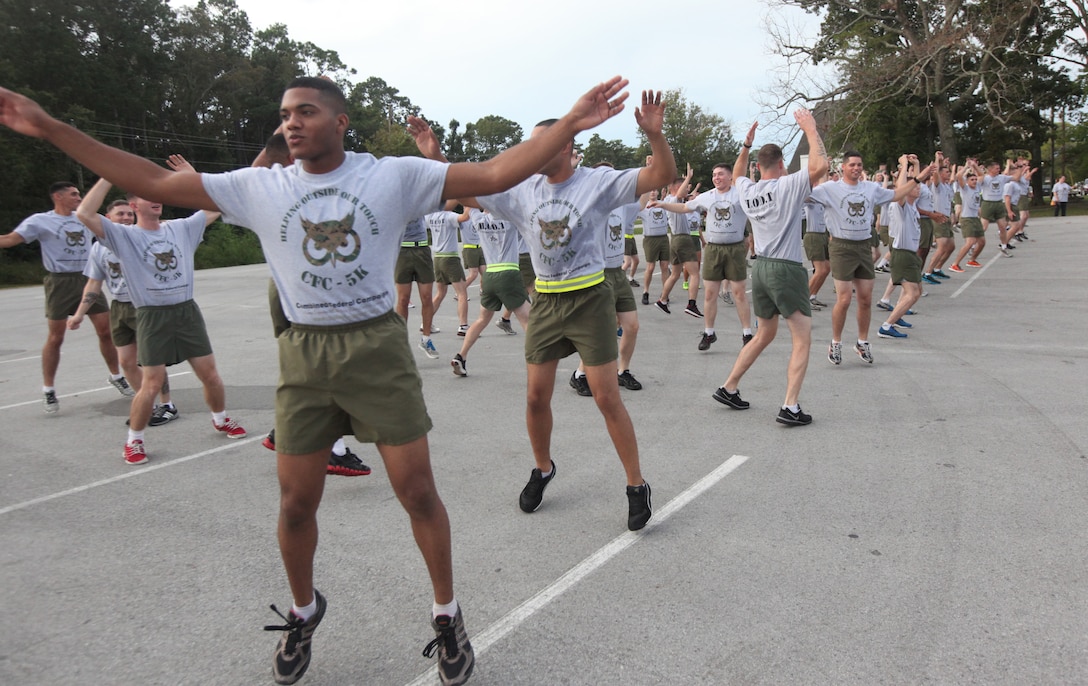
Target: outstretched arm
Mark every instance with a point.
(514, 165)
(133, 173)
(817, 155)
(87, 212)
(650, 117)
(740, 167)
(179, 164)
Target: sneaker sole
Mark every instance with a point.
(345, 471)
(727, 403)
(792, 422)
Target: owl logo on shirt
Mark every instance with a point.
(115, 269)
(615, 232)
(855, 209)
(657, 214)
(723, 214)
(75, 238)
(555, 232)
(325, 240)
(165, 261)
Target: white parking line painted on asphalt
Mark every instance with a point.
(499, 630)
(72, 395)
(138, 471)
(21, 359)
(977, 274)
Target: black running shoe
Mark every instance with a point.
(693, 311)
(731, 399)
(455, 656)
(458, 364)
(745, 338)
(707, 339)
(798, 418)
(347, 464)
(163, 414)
(533, 493)
(638, 506)
(645, 298)
(580, 384)
(629, 382)
(292, 656)
(664, 307)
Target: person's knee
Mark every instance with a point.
(298, 506)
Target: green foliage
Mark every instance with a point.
(618, 153)
(698, 137)
(226, 246)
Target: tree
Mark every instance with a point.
(489, 136)
(697, 137)
(618, 153)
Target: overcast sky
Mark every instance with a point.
(528, 62)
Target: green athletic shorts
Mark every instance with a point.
(414, 264)
(169, 334)
(851, 260)
(280, 322)
(656, 248)
(992, 210)
(582, 321)
(64, 293)
(816, 246)
(1025, 204)
(906, 266)
(725, 262)
(448, 270)
(502, 288)
(622, 294)
(681, 250)
(779, 287)
(629, 246)
(358, 379)
(925, 240)
(528, 274)
(942, 230)
(122, 323)
(472, 257)
(884, 237)
(971, 227)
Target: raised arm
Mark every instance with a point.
(177, 163)
(133, 173)
(817, 155)
(87, 212)
(740, 167)
(650, 117)
(514, 165)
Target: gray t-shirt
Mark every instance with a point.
(774, 208)
(499, 240)
(814, 217)
(158, 264)
(1014, 190)
(103, 265)
(443, 226)
(620, 221)
(971, 199)
(993, 187)
(655, 221)
(849, 208)
(565, 224)
(331, 240)
(724, 215)
(903, 226)
(65, 241)
(942, 198)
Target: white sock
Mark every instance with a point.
(709, 332)
(578, 373)
(449, 609)
(49, 389)
(115, 377)
(747, 332)
(135, 436)
(339, 448)
(795, 408)
(304, 613)
(220, 418)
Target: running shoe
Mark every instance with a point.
(939, 273)
(634, 283)
(434, 328)
(956, 268)
(639, 509)
(458, 364)
(134, 453)
(292, 656)
(427, 346)
(231, 428)
(930, 279)
(731, 399)
(1004, 251)
(817, 302)
(347, 464)
(727, 297)
(462, 330)
(50, 402)
(505, 327)
(663, 307)
(693, 311)
(904, 323)
(707, 339)
(745, 338)
(864, 351)
(629, 382)
(580, 384)
(974, 263)
(163, 414)
(270, 440)
(886, 331)
(645, 298)
(884, 306)
(790, 418)
(533, 493)
(122, 386)
(834, 353)
(455, 656)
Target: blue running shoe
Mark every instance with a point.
(890, 332)
(904, 323)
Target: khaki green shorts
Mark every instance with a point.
(502, 288)
(956, 199)
(697, 242)
(992, 210)
(472, 257)
(656, 248)
(884, 237)
(414, 264)
(725, 262)
(942, 230)
(1025, 204)
(681, 250)
(622, 294)
(528, 274)
(925, 240)
(122, 323)
(906, 266)
(971, 227)
(874, 238)
(448, 270)
(64, 293)
(582, 321)
(280, 323)
(816, 246)
(169, 334)
(851, 260)
(779, 287)
(629, 246)
(359, 379)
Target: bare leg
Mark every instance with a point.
(602, 381)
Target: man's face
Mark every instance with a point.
(67, 199)
(311, 126)
(852, 169)
(972, 181)
(122, 214)
(722, 178)
(146, 208)
(946, 174)
(993, 169)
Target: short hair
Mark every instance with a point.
(851, 153)
(604, 163)
(278, 152)
(546, 123)
(723, 165)
(769, 155)
(333, 95)
(60, 186)
(120, 202)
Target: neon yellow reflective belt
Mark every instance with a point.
(502, 267)
(574, 284)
